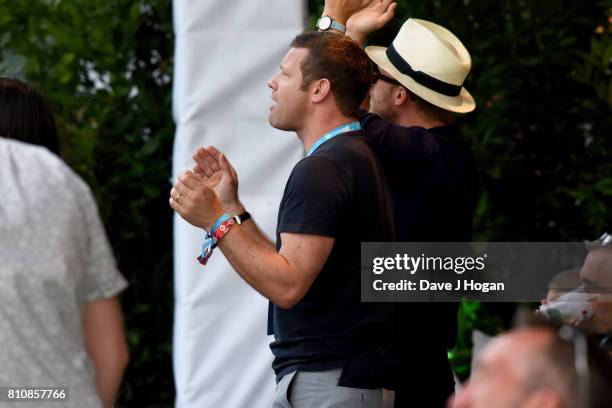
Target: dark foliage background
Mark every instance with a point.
(542, 133)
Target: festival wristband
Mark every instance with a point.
(220, 228)
(224, 229)
(220, 220)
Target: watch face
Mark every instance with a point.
(325, 23)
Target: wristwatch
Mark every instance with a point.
(327, 23)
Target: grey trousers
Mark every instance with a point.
(301, 389)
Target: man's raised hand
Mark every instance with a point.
(372, 18)
(220, 176)
(341, 10)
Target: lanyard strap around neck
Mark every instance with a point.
(347, 127)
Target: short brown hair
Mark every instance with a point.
(341, 61)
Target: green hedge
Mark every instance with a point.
(541, 132)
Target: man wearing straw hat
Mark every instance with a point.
(430, 171)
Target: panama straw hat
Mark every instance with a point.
(431, 62)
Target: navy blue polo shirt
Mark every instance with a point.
(338, 191)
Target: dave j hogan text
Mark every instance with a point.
(462, 285)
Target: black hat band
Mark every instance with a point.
(420, 77)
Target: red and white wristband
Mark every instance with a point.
(218, 231)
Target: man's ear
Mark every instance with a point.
(321, 88)
(400, 95)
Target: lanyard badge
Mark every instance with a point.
(348, 127)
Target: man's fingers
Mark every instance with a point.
(208, 161)
(214, 155)
(196, 158)
(175, 194)
(383, 6)
(199, 154)
(212, 163)
(390, 10)
(227, 167)
(180, 192)
(212, 150)
(387, 16)
(387, 10)
(202, 168)
(204, 152)
(378, 5)
(232, 169)
(368, 4)
(224, 164)
(176, 206)
(189, 179)
(204, 159)
(198, 170)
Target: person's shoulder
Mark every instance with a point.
(427, 139)
(449, 135)
(34, 158)
(22, 150)
(343, 152)
(383, 134)
(448, 130)
(41, 164)
(316, 165)
(347, 144)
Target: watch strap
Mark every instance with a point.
(337, 26)
(240, 218)
(333, 26)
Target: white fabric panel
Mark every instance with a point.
(225, 53)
